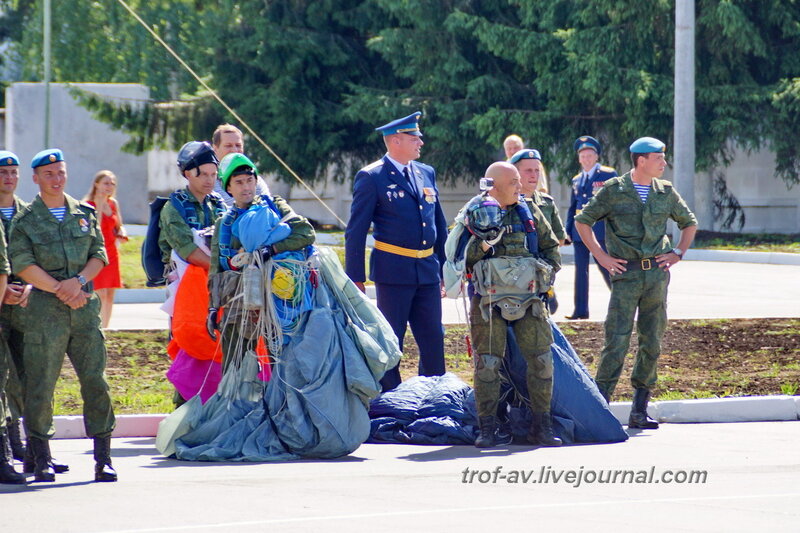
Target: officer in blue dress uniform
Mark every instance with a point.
(584, 186)
(398, 196)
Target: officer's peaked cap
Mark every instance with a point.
(409, 124)
(585, 141)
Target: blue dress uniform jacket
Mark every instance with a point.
(584, 190)
(402, 216)
(407, 220)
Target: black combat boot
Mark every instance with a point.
(15, 440)
(28, 463)
(541, 431)
(639, 418)
(7, 473)
(42, 469)
(488, 427)
(103, 471)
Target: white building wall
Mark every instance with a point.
(88, 145)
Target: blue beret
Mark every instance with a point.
(8, 159)
(585, 141)
(647, 145)
(526, 153)
(407, 124)
(46, 157)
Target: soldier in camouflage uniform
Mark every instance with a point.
(529, 166)
(202, 206)
(55, 245)
(527, 313)
(239, 178)
(196, 207)
(7, 473)
(15, 297)
(636, 208)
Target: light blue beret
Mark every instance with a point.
(46, 157)
(8, 159)
(526, 153)
(647, 145)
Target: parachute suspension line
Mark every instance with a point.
(229, 109)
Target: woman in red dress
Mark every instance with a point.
(104, 187)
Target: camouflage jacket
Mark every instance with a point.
(61, 249)
(547, 206)
(636, 230)
(176, 234)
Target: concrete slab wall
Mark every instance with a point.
(88, 145)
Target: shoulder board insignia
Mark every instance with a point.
(374, 164)
(607, 169)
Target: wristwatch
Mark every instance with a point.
(678, 252)
(81, 279)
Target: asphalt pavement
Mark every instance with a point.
(681, 477)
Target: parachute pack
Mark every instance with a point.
(152, 262)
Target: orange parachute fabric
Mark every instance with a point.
(189, 318)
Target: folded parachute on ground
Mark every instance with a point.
(441, 410)
(315, 405)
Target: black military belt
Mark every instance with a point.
(642, 264)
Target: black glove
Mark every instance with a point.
(266, 253)
(211, 323)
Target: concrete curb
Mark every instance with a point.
(731, 256)
(704, 411)
(713, 410)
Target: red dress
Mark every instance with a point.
(109, 277)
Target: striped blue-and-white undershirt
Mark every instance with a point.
(8, 212)
(643, 191)
(59, 212)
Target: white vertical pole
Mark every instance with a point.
(46, 47)
(684, 119)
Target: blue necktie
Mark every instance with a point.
(410, 181)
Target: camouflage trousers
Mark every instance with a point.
(645, 291)
(12, 320)
(4, 412)
(56, 331)
(489, 340)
